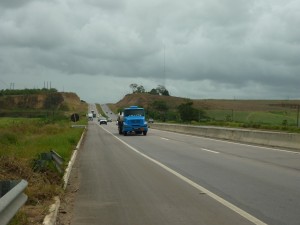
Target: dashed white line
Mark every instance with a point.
(236, 143)
(165, 139)
(207, 150)
(203, 149)
(195, 185)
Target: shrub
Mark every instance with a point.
(8, 138)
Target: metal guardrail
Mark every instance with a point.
(58, 160)
(45, 158)
(12, 199)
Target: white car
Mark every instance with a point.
(103, 121)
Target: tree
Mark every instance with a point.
(187, 112)
(140, 89)
(137, 88)
(162, 108)
(165, 93)
(133, 87)
(162, 90)
(153, 92)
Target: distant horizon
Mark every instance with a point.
(225, 99)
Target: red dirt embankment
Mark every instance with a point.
(38, 101)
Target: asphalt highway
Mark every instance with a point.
(169, 178)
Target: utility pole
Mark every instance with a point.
(12, 86)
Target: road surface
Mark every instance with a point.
(169, 178)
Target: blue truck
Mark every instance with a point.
(132, 120)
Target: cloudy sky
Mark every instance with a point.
(225, 49)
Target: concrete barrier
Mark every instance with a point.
(274, 139)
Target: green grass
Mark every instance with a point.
(21, 141)
(26, 138)
(100, 111)
(274, 118)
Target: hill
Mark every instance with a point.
(22, 104)
(146, 100)
(221, 112)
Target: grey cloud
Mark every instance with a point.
(106, 4)
(13, 3)
(39, 26)
(229, 45)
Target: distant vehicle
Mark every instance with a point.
(109, 120)
(93, 113)
(103, 121)
(151, 120)
(90, 116)
(132, 119)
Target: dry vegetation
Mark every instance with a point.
(263, 114)
(145, 100)
(22, 140)
(42, 186)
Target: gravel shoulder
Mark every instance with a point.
(65, 213)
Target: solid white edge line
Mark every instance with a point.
(231, 142)
(195, 185)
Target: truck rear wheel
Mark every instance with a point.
(145, 133)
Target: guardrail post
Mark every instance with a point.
(12, 199)
(58, 160)
(48, 157)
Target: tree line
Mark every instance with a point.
(26, 91)
(185, 112)
(159, 90)
(159, 110)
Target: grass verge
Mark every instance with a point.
(21, 141)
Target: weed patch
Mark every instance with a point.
(21, 141)
(8, 138)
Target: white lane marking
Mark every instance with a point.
(165, 139)
(231, 142)
(203, 149)
(195, 185)
(207, 150)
